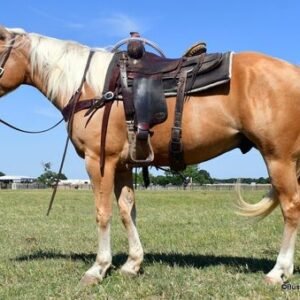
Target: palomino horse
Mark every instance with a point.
(261, 105)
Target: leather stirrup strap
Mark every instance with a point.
(126, 93)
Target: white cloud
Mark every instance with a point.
(119, 25)
(115, 25)
(63, 22)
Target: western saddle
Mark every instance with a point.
(143, 80)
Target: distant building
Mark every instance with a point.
(27, 182)
(17, 179)
(7, 181)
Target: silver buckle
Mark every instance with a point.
(1, 71)
(109, 95)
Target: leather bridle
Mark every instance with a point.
(3, 60)
(5, 55)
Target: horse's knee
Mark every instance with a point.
(103, 218)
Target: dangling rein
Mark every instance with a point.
(29, 131)
(74, 99)
(3, 59)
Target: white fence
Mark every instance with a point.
(85, 186)
(206, 187)
(22, 186)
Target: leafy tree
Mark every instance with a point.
(197, 175)
(204, 177)
(2, 174)
(263, 180)
(191, 172)
(138, 176)
(49, 177)
(160, 180)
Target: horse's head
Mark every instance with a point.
(13, 60)
(55, 67)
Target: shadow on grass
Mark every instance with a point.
(243, 264)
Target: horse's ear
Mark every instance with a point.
(3, 33)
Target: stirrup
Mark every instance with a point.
(140, 151)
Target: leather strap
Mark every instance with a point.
(74, 99)
(30, 131)
(81, 105)
(110, 90)
(114, 75)
(126, 93)
(200, 60)
(4, 57)
(105, 119)
(176, 158)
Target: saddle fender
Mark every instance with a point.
(149, 101)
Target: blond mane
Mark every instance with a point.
(60, 65)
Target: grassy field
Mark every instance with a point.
(195, 248)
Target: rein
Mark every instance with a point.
(29, 131)
(74, 100)
(3, 59)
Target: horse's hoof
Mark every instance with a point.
(88, 280)
(273, 281)
(128, 272)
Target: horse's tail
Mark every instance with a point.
(265, 206)
(257, 210)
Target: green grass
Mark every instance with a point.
(195, 248)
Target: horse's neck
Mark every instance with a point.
(59, 75)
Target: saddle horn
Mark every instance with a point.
(147, 42)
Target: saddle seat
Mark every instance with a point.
(152, 64)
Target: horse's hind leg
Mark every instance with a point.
(285, 182)
(125, 196)
(102, 189)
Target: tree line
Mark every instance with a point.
(192, 174)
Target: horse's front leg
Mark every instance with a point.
(102, 189)
(125, 196)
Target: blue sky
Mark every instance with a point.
(269, 26)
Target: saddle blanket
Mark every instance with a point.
(215, 70)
